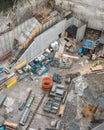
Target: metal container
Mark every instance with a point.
(11, 83)
(30, 100)
(24, 116)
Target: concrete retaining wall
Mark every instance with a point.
(42, 41)
(81, 33)
(7, 39)
(81, 27)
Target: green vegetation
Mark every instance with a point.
(6, 4)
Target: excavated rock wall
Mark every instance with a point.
(91, 11)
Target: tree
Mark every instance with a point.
(5, 4)
(51, 3)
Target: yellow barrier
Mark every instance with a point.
(11, 83)
(21, 65)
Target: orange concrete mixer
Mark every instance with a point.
(47, 83)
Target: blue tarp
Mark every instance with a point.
(2, 127)
(88, 43)
(1, 69)
(80, 51)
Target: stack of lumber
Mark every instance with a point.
(10, 125)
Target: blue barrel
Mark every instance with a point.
(80, 51)
(2, 127)
(1, 69)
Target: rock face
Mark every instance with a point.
(28, 10)
(20, 11)
(10, 17)
(91, 11)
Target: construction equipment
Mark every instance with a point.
(2, 127)
(20, 71)
(22, 106)
(57, 92)
(6, 70)
(21, 77)
(3, 77)
(41, 67)
(21, 65)
(47, 83)
(27, 102)
(14, 81)
(10, 79)
(51, 106)
(53, 90)
(42, 70)
(24, 116)
(30, 100)
(87, 48)
(1, 70)
(6, 79)
(57, 78)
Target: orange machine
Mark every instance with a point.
(47, 83)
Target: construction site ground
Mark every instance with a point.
(84, 92)
(18, 92)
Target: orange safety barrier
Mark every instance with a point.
(47, 83)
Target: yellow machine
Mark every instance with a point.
(21, 65)
(11, 83)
